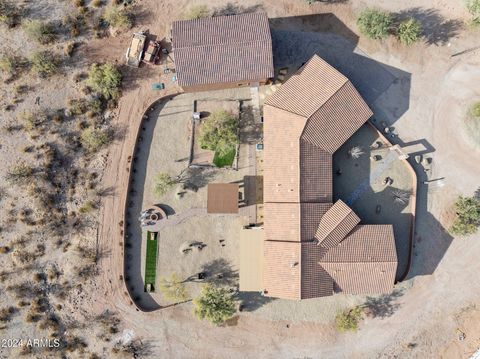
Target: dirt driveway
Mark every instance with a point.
(426, 90)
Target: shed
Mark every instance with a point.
(222, 198)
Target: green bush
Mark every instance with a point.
(409, 31)
(118, 18)
(42, 32)
(467, 216)
(473, 7)
(45, 63)
(374, 24)
(214, 304)
(105, 80)
(197, 12)
(348, 320)
(163, 182)
(93, 139)
(219, 132)
(475, 110)
(32, 120)
(10, 14)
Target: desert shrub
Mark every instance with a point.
(197, 12)
(472, 123)
(93, 139)
(374, 23)
(348, 320)
(32, 120)
(219, 132)
(163, 182)
(475, 110)
(9, 13)
(105, 80)
(42, 32)
(77, 107)
(79, 3)
(97, 3)
(173, 289)
(19, 173)
(8, 64)
(409, 31)
(7, 313)
(214, 304)
(118, 18)
(467, 216)
(44, 63)
(87, 207)
(473, 7)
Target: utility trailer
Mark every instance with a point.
(135, 52)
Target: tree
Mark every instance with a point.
(355, 152)
(475, 110)
(163, 182)
(214, 304)
(42, 32)
(374, 23)
(197, 12)
(105, 80)
(473, 7)
(409, 31)
(219, 132)
(467, 220)
(173, 289)
(348, 320)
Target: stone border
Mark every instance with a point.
(413, 203)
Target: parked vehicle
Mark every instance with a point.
(152, 52)
(135, 52)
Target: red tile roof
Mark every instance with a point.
(305, 122)
(222, 49)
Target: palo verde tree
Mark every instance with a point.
(214, 304)
(467, 216)
(173, 289)
(219, 132)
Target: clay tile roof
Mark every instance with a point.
(223, 49)
(222, 198)
(306, 120)
(336, 224)
(364, 262)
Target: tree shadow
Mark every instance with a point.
(236, 9)
(436, 29)
(220, 272)
(383, 306)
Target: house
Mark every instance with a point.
(222, 52)
(313, 247)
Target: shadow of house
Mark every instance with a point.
(385, 89)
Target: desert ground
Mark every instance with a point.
(422, 91)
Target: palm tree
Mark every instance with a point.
(355, 152)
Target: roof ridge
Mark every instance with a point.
(221, 44)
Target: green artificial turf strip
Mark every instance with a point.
(151, 259)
